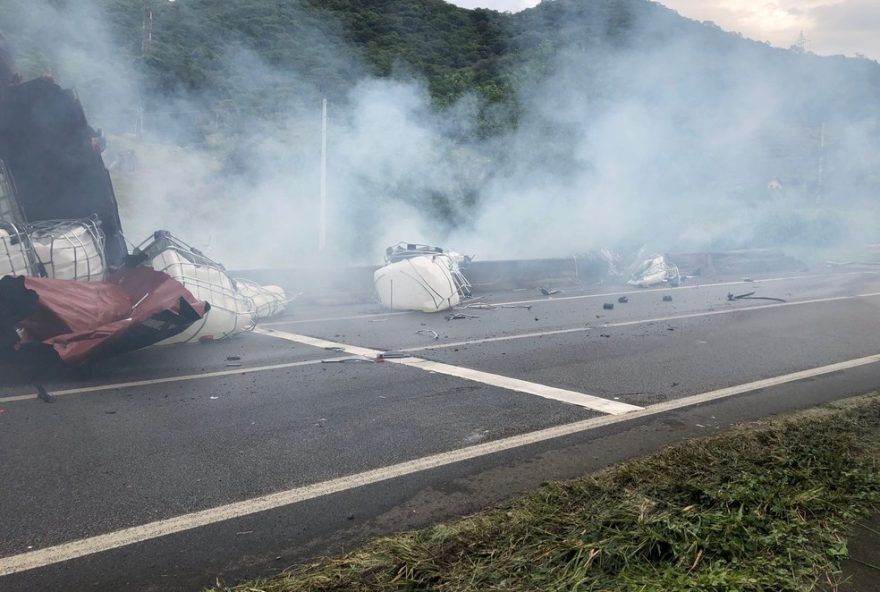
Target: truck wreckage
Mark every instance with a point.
(420, 277)
(67, 282)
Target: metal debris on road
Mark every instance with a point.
(391, 356)
(667, 298)
(548, 292)
(336, 348)
(623, 300)
(347, 361)
(233, 358)
(43, 395)
(731, 297)
(608, 306)
(428, 332)
(233, 365)
(459, 316)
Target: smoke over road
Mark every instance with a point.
(679, 136)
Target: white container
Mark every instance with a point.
(230, 313)
(70, 249)
(268, 301)
(425, 283)
(14, 256)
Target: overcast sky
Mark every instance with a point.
(846, 27)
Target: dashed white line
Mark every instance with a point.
(513, 384)
(680, 317)
(152, 381)
(153, 530)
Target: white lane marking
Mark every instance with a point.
(137, 534)
(756, 282)
(328, 319)
(512, 384)
(680, 317)
(185, 377)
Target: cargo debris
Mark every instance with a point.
(751, 296)
(655, 270)
(422, 278)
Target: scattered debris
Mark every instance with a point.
(233, 365)
(43, 395)
(549, 292)
(391, 356)
(608, 306)
(377, 320)
(213, 398)
(348, 361)
(233, 358)
(667, 298)
(429, 332)
(459, 316)
(419, 277)
(481, 306)
(336, 348)
(623, 300)
(606, 335)
(748, 279)
(751, 296)
(655, 270)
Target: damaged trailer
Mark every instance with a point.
(67, 282)
(422, 278)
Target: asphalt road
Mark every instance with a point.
(168, 468)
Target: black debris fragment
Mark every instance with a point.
(43, 395)
(731, 297)
(667, 298)
(233, 358)
(608, 306)
(391, 356)
(623, 300)
(459, 316)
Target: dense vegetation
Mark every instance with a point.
(327, 45)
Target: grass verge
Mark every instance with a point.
(763, 507)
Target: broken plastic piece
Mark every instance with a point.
(428, 332)
(548, 292)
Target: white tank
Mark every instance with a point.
(14, 256)
(70, 249)
(426, 283)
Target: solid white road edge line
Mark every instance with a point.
(512, 384)
(137, 534)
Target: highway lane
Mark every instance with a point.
(97, 462)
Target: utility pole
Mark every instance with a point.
(146, 45)
(821, 192)
(322, 216)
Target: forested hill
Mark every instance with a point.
(330, 44)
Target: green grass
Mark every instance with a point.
(764, 507)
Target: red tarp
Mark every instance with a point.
(135, 308)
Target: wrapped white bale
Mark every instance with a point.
(425, 283)
(14, 252)
(231, 312)
(70, 249)
(268, 301)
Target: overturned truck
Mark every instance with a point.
(67, 281)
